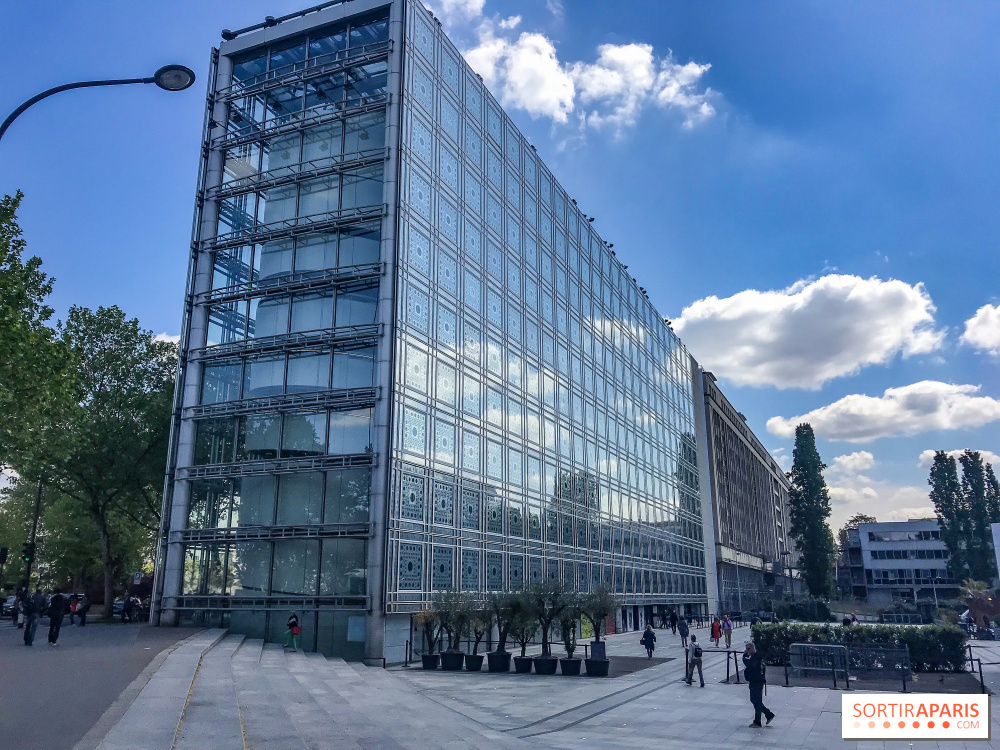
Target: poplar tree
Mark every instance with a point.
(946, 494)
(809, 505)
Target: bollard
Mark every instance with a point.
(833, 668)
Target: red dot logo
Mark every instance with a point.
(902, 724)
(885, 724)
(930, 724)
(945, 724)
(916, 725)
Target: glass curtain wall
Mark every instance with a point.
(544, 409)
(279, 501)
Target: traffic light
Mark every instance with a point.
(3, 555)
(28, 552)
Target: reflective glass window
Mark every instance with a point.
(258, 437)
(279, 153)
(322, 141)
(369, 32)
(343, 568)
(253, 500)
(350, 431)
(367, 81)
(249, 565)
(356, 308)
(226, 323)
(221, 382)
(287, 54)
(233, 266)
(300, 498)
(279, 204)
(325, 94)
(312, 312)
(354, 369)
(303, 435)
(308, 372)
(263, 377)
(316, 252)
(359, 246)
(283, 102)
(362, 187)
(268, 317)
(328, 43)
(275, 258)
(319, 196)
(246, 68)
(295, 570)
(364, 132)
(215, 441)
(347, 496)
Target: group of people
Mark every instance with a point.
(30, 608)
(753, 664)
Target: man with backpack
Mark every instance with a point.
(753, 663)
(694, 660)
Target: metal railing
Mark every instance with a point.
(276, 466)
(305, 170)
(287, 341)
(296, 225)
(339, 399)
(244, 533)
(294, 282)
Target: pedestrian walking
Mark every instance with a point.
(649, 641)
(293, 632)
(682, 628)
(694, 661)
(33, 609)
(19, 606)
(57, 609)
(727, 631)
(673, 622)
(754, 672)
(82, 608)
(854, 619)
(716, 631)
(74, 602)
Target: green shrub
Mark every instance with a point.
(933, 648)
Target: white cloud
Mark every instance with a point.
(453, 11)
(906, 513)
(173, 339)
(852, 491)
(812, 332)
(555, 7)
(907, 410)
(927, 457)
(853, 463)
(526, 73)
(982, 330)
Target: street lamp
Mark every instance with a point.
(168, 78)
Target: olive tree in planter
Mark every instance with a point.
(478, 622)
(427, 621)
(596, 606)
(567, 631)
(500, 607)
(523, 626)
(451, 611)
(549, 600)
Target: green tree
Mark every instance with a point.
(946, 494)
(35, 374)
(809, 505)
(108, 450)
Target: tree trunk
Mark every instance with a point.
(109, 597)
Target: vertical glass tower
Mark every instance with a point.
(408, 362)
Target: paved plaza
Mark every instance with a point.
(231, 693)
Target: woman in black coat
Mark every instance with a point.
(649, 641)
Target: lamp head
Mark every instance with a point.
(173, 77)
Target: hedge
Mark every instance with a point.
(933, 648)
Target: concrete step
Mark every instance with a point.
(266, 724)
(151, 722)
(212, 716)
(251, 648)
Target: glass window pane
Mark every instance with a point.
(304, 435)
(226, 323)
(295, 569)
(249, 564)
(268, 317)
(258, 438)
(326, 94)
(350, 431)
(344, 567)
(281, 103)
(237, 212)
(347, 493)
(333, 41)
(249, 67)
(358, 246)
(253, 501)
(323, 141)
(312, 312)
(281, 152)
(364, 132)
(279, 204)
(367, 81)
(356, 308)
(233, 266)
(362, 188)
(300, 498)
(221, 382)
(308, 372)
(319, 196)
(354, 369)
(317, 252)
(369, 32)
(241, 162)
(287, 54)
(214, 441)
(263, 377)
(209, 505)
(275, 258)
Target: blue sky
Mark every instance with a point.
(808, 189)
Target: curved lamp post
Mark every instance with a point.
(168, 78)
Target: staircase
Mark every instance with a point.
(228, 692)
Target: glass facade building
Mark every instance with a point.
(408, 362)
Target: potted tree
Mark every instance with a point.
(478, 623)
(549, 601)
(523, 626)
(427, 621)
(451, 613)
(596, 606)
(500, 607)
(567, 630)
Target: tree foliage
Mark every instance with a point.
(107, 450)
(809, 505)
(965, 510)
(852, 523)
(35, 373)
